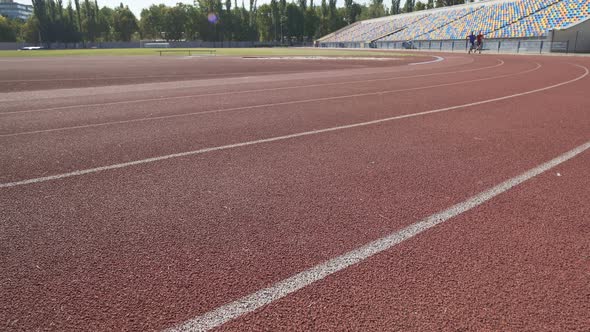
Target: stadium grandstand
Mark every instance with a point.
(374, 29)
(564, 22)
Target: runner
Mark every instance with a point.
(471, 38)
(480, 42)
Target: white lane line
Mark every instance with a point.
(250, 303)
(279, 138)
(499, 64)
(241, 108)
(136, 77)
(220, 82)
(437, 59)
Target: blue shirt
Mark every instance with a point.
(472, 38)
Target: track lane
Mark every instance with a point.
(519, 262)
(50, 73)
(45, 74)
(277, 198)
(16, 123)
(99, 147)
(33, 102)
(213, 90)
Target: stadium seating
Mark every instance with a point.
(488, 18)
(557, 16)
(496, 19)
(432, 22)
(372, 29)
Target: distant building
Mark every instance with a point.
(12, 9)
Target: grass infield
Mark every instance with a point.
(219, 52)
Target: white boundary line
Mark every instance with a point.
(293, 102)
(254, 301)
(437, 59)
(499, 64)
(136, 77)
(279, 138)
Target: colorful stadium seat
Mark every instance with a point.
(557, 16)
(431, 23)
(495, 18)
(369, 30)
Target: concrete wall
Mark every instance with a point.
(577, 37)
(9, 46)
(531, 46)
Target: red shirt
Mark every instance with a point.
(479, 38)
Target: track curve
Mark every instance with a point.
(153, 244)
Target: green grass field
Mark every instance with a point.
(219, 51)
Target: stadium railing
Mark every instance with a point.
(490, 45)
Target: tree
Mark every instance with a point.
(302, 8)
(228, 22)
(43, 23)
(352, 10)
(295, 22)
(323, 13)
(409, 6)
(335, 21)
(376, 9)
(252, 13)
(264, 23)
(444, 3)
(79, 15)
(174, 21)
(276, 17)
(311, 22)
(419, 6)
(452, 2)
(395, 7)
(89, 22)
(124, 23)
(53, 23)
(8, 30)
(30, 30)
(209, 20)
(192, 17)
(70, 30)
(105, 23)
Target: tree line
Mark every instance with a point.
(207, 20)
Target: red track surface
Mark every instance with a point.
(150, 246)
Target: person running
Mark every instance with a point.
(480, 42)
(471, 38)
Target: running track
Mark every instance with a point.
(450, 195)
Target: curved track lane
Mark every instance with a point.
(149, 246)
